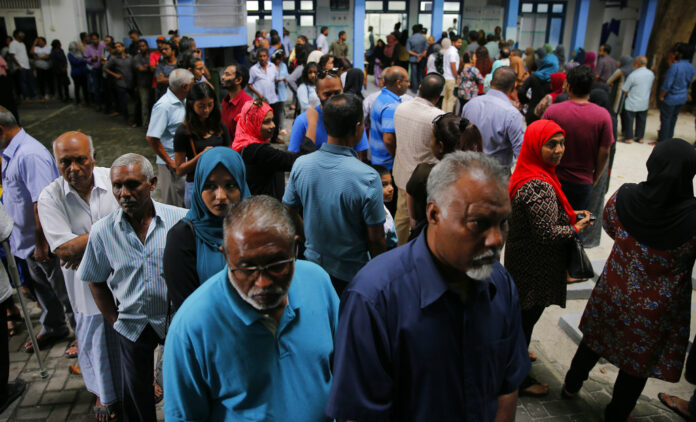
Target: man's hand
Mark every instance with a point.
(663, 94)
(118, 76)
(41, 253)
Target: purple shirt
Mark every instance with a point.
(27, 168)
(92, 51)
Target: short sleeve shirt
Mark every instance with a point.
(382, 121)
(264, 81)
(231, 109)
(337, 209)
(167, 114)
(19, 50)
(299, 130)
(450, 56)
(124, 67)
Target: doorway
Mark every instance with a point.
(383, 23)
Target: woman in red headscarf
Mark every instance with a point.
(557, 80)
(265, 165)
(541, 227)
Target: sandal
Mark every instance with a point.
(677, 405)
(44, 340)
(532, 357)
(75, 369)
(533, 388)
(71, 350)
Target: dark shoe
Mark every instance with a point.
(14, 391)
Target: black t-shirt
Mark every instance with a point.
(179, 263)
(185, 141)
(416, 187)
(266, 167)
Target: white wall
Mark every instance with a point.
(63, 20)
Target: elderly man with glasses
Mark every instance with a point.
(255, 341)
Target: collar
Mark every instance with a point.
(338, 150)
(172, 98)
(99, 183)
(14, 144)
(394, 97)
(432, 285)
(121, 219)
(498, 94)
(235, 101)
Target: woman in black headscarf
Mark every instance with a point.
(354, 82)
(639, 313)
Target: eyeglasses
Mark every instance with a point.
(331, 72)
(274, 269)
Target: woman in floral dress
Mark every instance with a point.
(639, 313)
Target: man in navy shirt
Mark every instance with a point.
(674, 89)
(431, 330)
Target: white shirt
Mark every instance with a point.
(264, 81)
(19, 50)
(65, 215)
(450, 56)
(323, 43)
(40, 52)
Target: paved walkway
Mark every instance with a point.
(62, 397)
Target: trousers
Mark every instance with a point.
(49, 287)
(138, 375)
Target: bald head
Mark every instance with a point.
(74, 138)
(640, 61)
(396, 79)
(74, 154)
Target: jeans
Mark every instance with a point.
(143, 98)
(26, 81)
(416, 75)
(668, 120)
(95, 85)
(578, 195)
(627, 123)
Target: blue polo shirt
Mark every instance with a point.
(299, 129)
(221, 363)
(340, 196)
(408, 349)
(382, 121)
(676, 83)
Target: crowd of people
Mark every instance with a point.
(326, 295)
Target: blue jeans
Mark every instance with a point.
(94, 81)
(416, 75)
(668, 120)
(26, 81)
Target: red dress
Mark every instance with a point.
(639, 313)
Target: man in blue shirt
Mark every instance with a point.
(255, 341)
(328, 85)
(382, 138)
(417, 46)
(340, 196)
(637, 88)
(674, 90)
(431, 330)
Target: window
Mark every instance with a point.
(542, 8)
(306, 20)
(306, 5)
(268, 5)
(451, 13)
(373, 5)
(288, 6)
(397, 5)
(527, 7)
(557, 8)
(541, 22)
(426, 6)
(252, 6)
(451, 6)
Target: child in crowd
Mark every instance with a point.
(388, 195)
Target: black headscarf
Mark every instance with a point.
(661, 212)
(354, 82)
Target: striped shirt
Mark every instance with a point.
(137, 283)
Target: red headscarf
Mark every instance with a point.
(557, 80)
(249, 122)
(530, 166)
(590, 59)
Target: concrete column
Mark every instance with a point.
(582, 11)
(277, 17)
(645, 25)
(359, 34)
(438, 11)
(512, 7)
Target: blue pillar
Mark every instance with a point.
(510, 19)
(582, 11)
(277, 17)
(436, 24)
(359, 34)
(645, 25)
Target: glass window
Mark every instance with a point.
(557, 8)
(451, 6)
(373, 5)
(396, 5)
(289, 5)
(267, 5)
(306, 5)
(542, 8)
(527, 7)
(252, 5)
(426, 6)
(306, 20)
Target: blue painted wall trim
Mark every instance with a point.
(582, 11)
(645, 25)
(436, 22)
(207, 37)
(277, 17)
(510, 19)
(359, 34)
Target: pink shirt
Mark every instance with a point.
(588, 127)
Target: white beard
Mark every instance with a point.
(283, 293)
(482, 272)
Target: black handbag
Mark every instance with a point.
(579, 265)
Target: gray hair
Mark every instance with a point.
(91, 147)
(178, 78)
(446, 43)
(259, 212)
(7, 119)
(129, 159)
(449, 170)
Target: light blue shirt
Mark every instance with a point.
(282, 88)
(382, 121)
(137, 282)
(307, 95)
(299, 130)
(676, 83)
(222, 363)
(264, 81)
(340, 197)
(27, 168)
(418, 44)
(167, 114)
(637, 86)
(500, 123)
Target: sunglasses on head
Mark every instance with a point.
(331, 72)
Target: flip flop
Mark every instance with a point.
(45, 341)
(71, 350)
(669, 401)
(75, 369)
(532, 357)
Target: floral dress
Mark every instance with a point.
(469, 86)
(639, 313)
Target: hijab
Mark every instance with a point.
(354, 82)
(661, 211)
(580, 56)
(530, 166)
(72, 49)
(626, 65)
(557, 80)
(590, 59)
(549, 65)
(314, 56)
(206, 226)
(529, 58)
(559, 52)
(548, 48)
(249, 123)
